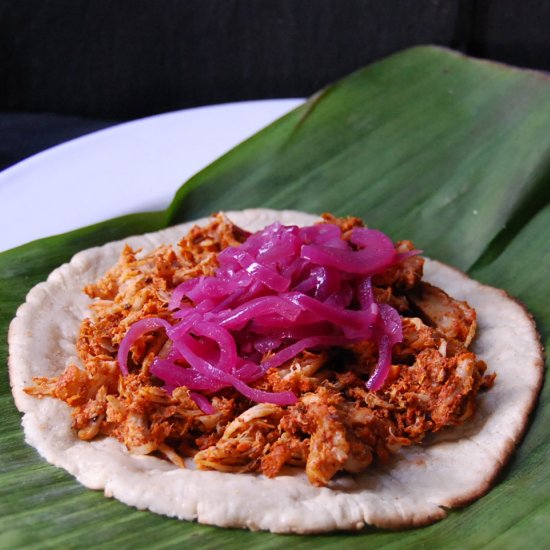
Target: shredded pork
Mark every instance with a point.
(337, 425)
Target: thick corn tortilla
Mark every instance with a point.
(451, 469)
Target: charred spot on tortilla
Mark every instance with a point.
(317, 349)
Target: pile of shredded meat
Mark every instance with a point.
(336, 424)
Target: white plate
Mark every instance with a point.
(132, 167)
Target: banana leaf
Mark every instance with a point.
(451, 152)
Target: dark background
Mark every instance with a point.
(69, 67)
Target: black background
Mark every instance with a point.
(73, 66)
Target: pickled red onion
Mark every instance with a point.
(137, 330)
(284, 290)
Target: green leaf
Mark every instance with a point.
(450, 152)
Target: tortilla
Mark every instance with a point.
(451, 469)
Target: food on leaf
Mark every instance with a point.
(302, 349)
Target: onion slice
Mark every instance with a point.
(137, 330)
(285, 290)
